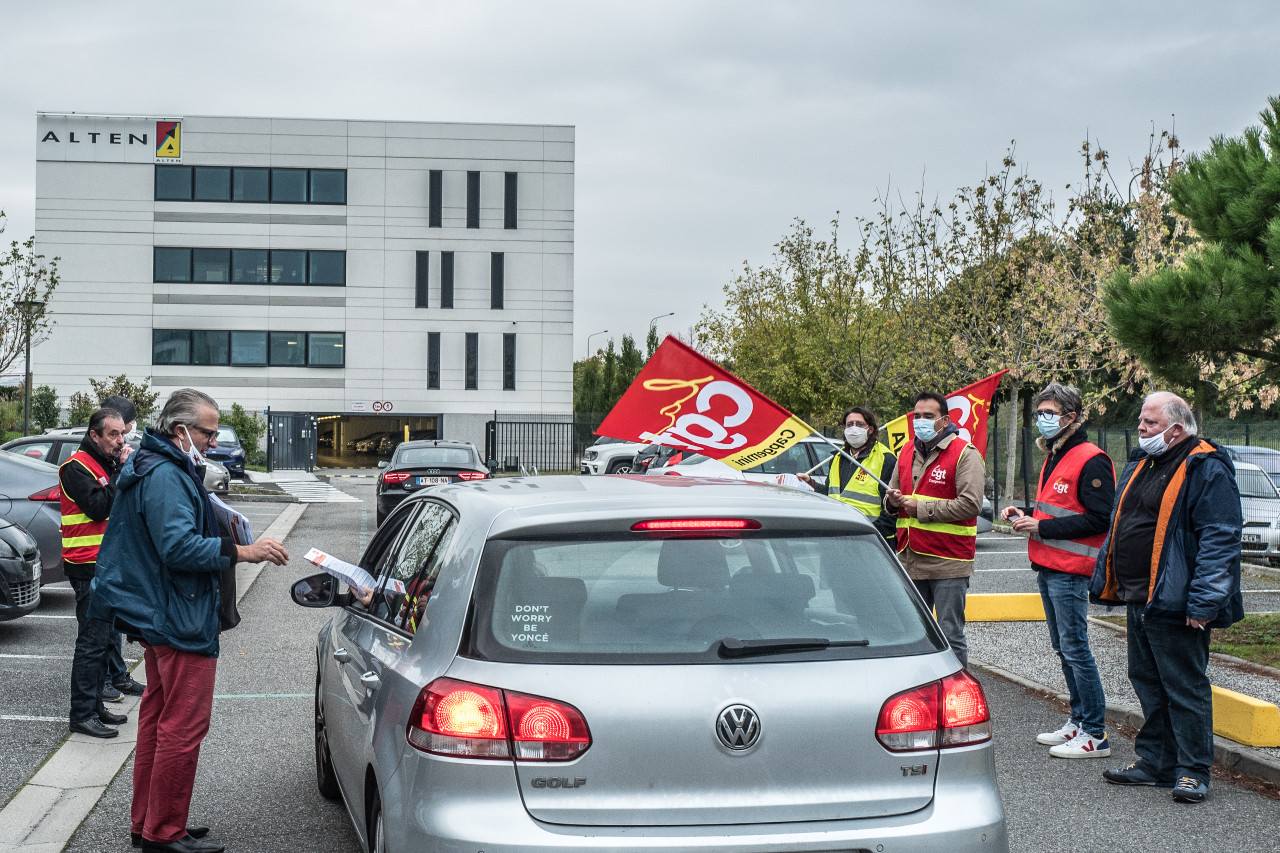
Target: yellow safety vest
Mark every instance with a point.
(862, 492)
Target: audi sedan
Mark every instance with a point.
(418, 464)
(644, 663)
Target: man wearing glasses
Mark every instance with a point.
(159, 579)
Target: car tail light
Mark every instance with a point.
(694, 524)
(53, 493)
(389, 477)
(465, 720)
(471, 475)
(950, 712)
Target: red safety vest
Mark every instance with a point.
(1058, 499)
(950, 540)
(81, 535)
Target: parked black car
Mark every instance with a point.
(20, 572)
(419, 464)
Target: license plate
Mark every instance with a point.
(432, 481)
(1252, 537)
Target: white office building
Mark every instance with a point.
(371, 278)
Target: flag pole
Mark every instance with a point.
(846, 455)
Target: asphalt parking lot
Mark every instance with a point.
(256, 784)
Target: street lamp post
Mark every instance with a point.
(592, 335)
(659, 317)
(29, 308)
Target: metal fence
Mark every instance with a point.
(550, 446)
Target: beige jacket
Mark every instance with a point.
(970, 477)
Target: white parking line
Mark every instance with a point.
(23, 718)
(51, 657)
(49, 616)
(1019, 569)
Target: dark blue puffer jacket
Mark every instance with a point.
(1198, 571)
(161, 559)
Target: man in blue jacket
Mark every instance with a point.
(158, 580)
(1172, 557)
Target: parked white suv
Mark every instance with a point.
(610, 456)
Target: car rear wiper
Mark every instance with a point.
(732, 647)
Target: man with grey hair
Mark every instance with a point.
(1066, 530)
(1172, 558)
(159, 579)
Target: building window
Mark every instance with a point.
(173, 183)
(509, 362)
(210, 265)
(250, 184)
(328, 268)
(213, 183)
(446, 279)
(473, 199)
(249, 349)
(435, 198)
(172, 265)
(170, 346)
(325, 349)
(420, 279)
(433, 360)
(210, 347)
(509, 202)
(288, 267)
(496, 281)
(473, 361)
(249, 266)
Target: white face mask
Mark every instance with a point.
(855, 435)
(1154, 445)
(192, 452)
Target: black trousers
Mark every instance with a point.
(89, 663)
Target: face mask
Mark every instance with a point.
(1154, 445)
(193, 453)
(1049, 424)
(924, 429)
(855, 435)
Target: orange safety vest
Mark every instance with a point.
(81, 535)
(951, 540)
(1059, 499)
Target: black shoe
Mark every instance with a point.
(112, 719)
(135, 838)
(184, 845)
(93, 728)
(111, 694)
(129, 687)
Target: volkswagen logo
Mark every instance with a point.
(738, 727)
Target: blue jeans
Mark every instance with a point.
(1168, 665)
(88, 664)
(1066, 612)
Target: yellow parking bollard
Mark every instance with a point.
(1004, 607)
(1245, 719)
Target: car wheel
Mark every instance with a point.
(381, 518)
(326, 779)
(377, 838)
(620, 468)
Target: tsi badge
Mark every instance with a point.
(738, 727)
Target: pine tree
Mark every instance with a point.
(1214, 318)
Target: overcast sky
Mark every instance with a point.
(703, 129)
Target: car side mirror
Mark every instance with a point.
(382, 463)
(319, 591)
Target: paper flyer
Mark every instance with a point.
(233, 522)
(350, 574)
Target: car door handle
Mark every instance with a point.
(341, 655)
(371, 680)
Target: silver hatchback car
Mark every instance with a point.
(645, 663)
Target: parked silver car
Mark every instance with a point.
(644, 663)
(29, 496)
(57, 447)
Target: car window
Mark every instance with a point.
(653, 600)
(227, 435)
(379, 553)
(32, 464)
(408, 571)
(793, 460)
(450, 457)
(37, 450)
(64, 450)
(1255, 484)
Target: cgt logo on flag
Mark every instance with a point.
(169, 140)
(684, 400)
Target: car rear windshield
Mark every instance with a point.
(448, 457)
(1254, 484)
(716, 600)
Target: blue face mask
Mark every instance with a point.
(924, 429)
(1048, 423)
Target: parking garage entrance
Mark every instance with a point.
(361, 441)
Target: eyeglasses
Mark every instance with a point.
(210, 434)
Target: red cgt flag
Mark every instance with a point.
(684, 400)
(969, 408)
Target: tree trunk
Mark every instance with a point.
(1011, 470)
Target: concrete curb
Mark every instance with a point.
(48, 809)
(1232, 755)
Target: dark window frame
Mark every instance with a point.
(473, 199)
(186, 332)
(446, 279)
(307, 184)
(509, 200)
(421, 279)
(471, 362)
(509, 361)
(435, 199)
(433, 361)
(155, 266)
(497, 280)
(231, 266)
(305, 346)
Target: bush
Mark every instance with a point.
(141, 395)
(82, 405)
(250, 428)
(11, 416)
(44, 408)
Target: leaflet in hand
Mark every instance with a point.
(349, 573)
(232, 522)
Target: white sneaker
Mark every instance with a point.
(1069, 730)
(1083, 745)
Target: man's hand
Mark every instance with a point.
(894, 497)
(1027, 524)
(125, 453)
(1197, 623)
(1010, 512)
(910, 506)
(265, 549)
(805, 478)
